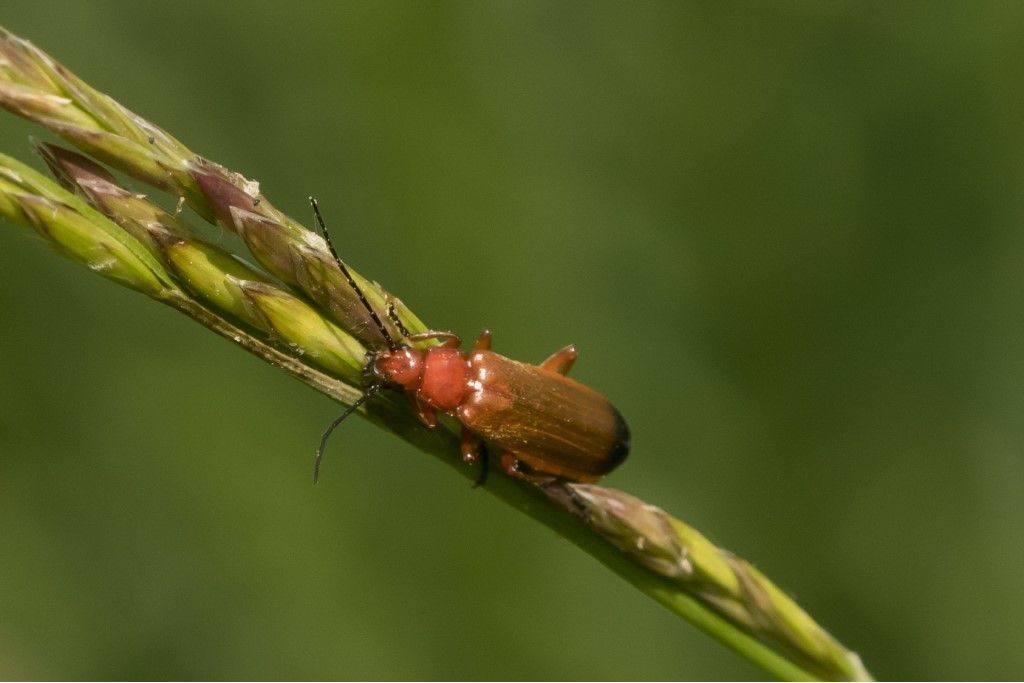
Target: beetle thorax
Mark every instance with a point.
(445, 374)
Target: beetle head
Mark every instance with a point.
(402, 367)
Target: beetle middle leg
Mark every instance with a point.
(474, 450)
(483, 342)
(561, 360)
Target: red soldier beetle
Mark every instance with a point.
(546, 425)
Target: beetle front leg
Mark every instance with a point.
(451, 340)
(424, 411)
(561, 360)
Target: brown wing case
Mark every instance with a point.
(552, 423)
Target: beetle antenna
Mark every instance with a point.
(351, 280)
(337, 421)
(398, 321)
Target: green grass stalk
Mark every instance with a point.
(125, 238)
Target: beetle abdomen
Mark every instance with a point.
(554, 424)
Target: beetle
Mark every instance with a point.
(546, 425)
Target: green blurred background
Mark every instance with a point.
(787, 238)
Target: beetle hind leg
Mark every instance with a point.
(510, 463)
(514, 467)
(561, 360)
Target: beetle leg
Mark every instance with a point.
(561, 360)
(485, 462)
(468, 446)
(424, 411)
(514, 467)
(483, 342)
(510, 463)
(451, 340)
(473, 450)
